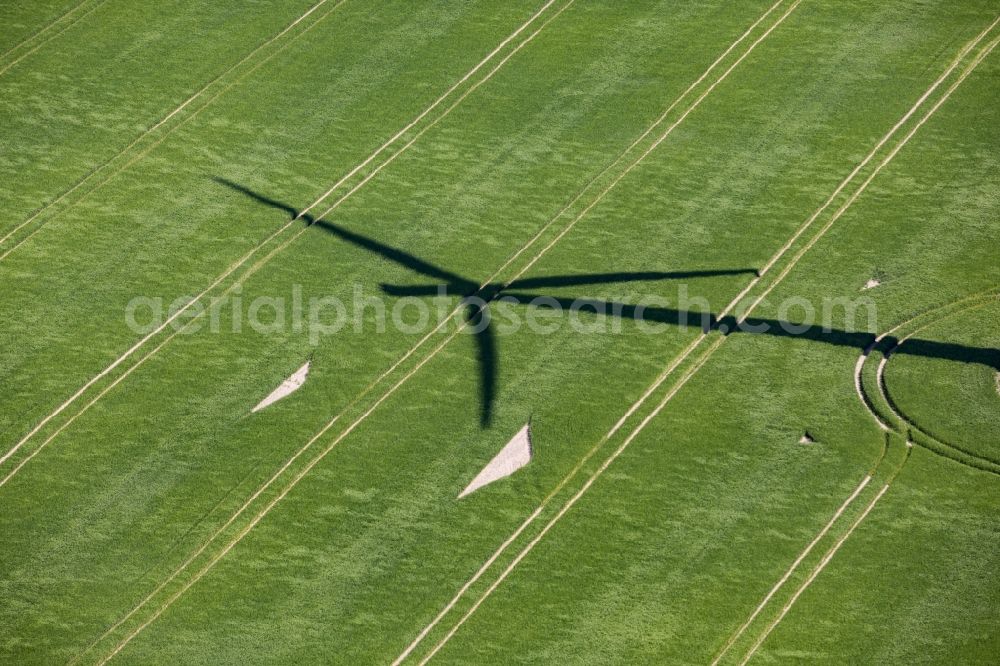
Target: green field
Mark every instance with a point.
(751, 251)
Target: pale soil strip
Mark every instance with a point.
(262, 262)
(395, 387)
(808, 223)
(677, 361)
(868, 158)
(819, 568)
(788, 574)
(438, 328)
(565, 508)
(38, 33)
(892, 154)
(863, 358)
(289, 386)
(249, 255)
(859, 389)
(315, 438)
(48, 39)
(162, 122)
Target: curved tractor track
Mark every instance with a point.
(869, 379)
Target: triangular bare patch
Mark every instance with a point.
(512, 457)
(289, 386)
(807, 439)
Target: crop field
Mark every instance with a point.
(467, 331)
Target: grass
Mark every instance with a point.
(671, 548)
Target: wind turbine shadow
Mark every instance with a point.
(477, 314)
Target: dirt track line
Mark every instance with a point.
(261, 263)
(412, 372)
(38, 33)
(859, 388)
(249, 255)
(385, 396)
(340, 182)
(956, 453)
(325, 429)
(812, 218)
(155, 127)
(671, 128)
(837, 215)
(562, 511)
(816, 572)
(677, 361)
(260, 515)
(868, 158)
(389, 161)
(497, 273)
(863, 357)
(892, 154)
(492, 278)
(788, 574)
(48, 39)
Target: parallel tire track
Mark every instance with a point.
(810, 221)
(190, 560)
(253, 252)
(316, 437)
(718, 342)
(44, 29)
(815, 572)
(41, 34)
(163, 121)
(791, 570)
(903, 424)
(800, 559)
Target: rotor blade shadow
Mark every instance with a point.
(393, 254)
(387, 251)
(259, 198)
(416, 291)
(478, 319)
(553, 281)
